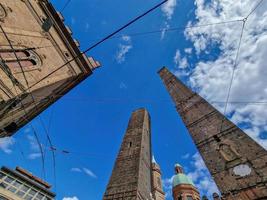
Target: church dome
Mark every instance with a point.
(180, 179)
(177, 165)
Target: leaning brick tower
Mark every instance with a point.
(236, 162)
(131, 176)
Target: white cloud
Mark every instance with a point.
(75, 169)
(212, 77)
(180, 62)
(124, 47)
(6, 143)
(89, 172)
(27, 130)
(34, 147)
(163, 31)
(168, 8)
(126, 38)
(34, 156)
(186, 156)
(201, 177)
(70, 198)
(33, 143)
(188, 50)
(167, 187)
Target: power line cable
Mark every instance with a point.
(238, 51)
(21, 152)
(254, 9)
(23, 90)
(182, 28)
(35, 105)
(70, 152)
(236, 59)
(234, 67)
(65, 6)
(140, 100)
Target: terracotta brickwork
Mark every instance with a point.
(33, 43)
(236, 162)
(185, 192)
(131, 175)
(157, 187)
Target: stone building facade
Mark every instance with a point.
(236, 162)
(182, 186)
(34, 43)
(157, 187)
(20, 184)
(131, 175)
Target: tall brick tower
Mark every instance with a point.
(237, 163)
(131, 175)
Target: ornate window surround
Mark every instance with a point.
(24, 55)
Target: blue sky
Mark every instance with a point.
(91, 120)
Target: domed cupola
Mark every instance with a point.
(182, 186)
(180, 178)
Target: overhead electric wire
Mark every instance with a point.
(70, 152)
(234, 67)
(237, 57)
(35, 133)
(145, 100)
(51, 145)
(35, 105)
(27, 83)
(254, 9)
(49, 122)
(182, 28)
(65, 6)
(237, 54)
(19, 146)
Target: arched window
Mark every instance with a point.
(27, 59)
